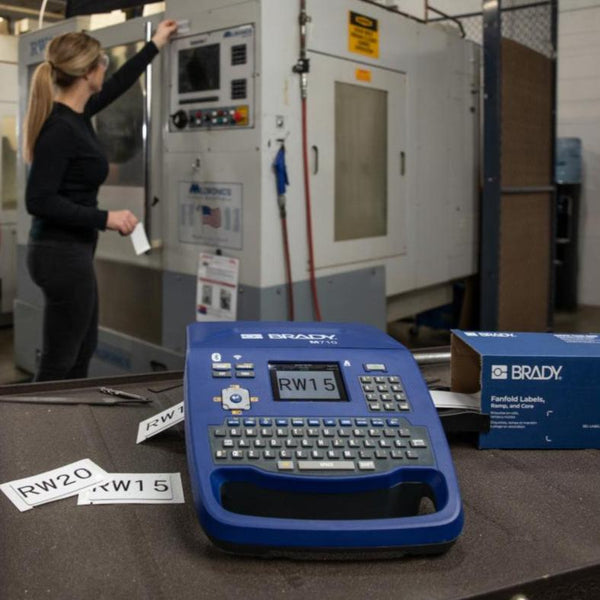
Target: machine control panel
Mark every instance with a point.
(212, 80)
(293, 421)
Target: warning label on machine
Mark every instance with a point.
(363, 35)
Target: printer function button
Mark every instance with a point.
(411, 454)
(221, 454)
(366, 379)
(245, 374)
(393, 379)
(244, 366)
(418, 444)
(374, 367)
(285, 465)
(223, 366)
(221, 374)
(366, 465)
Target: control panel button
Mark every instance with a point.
(247, 366)
(222, 366)
(235, 398)
(374, 367)
(245, 374)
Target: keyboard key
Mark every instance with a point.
(366, 465)
(221, 454)
(285, 465)
(325, 465)
(418, 443)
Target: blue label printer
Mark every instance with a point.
(315, 438)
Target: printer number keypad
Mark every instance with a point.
(384, 393)
(321, 446)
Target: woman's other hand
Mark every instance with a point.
(123, 221)
(163, 32)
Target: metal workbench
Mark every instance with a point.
(532, 520)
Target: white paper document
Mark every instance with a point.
(140, 239)
(136, 488)
(57, 484)
(160, 422)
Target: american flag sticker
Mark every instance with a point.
(211, 216)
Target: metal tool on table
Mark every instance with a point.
(111, 397)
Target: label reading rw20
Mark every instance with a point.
(54, 485)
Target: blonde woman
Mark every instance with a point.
(68, 166)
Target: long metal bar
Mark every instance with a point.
(479, 14)
(490, 205)
(147, 141)
(448, 18)
(529, 189)
(554, 200)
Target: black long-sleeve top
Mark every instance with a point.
(69, 165)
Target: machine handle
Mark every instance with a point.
(146, 140)
(315, 150)
(402, 163)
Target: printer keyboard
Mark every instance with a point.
(320, 446)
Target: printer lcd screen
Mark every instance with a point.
(307, 382)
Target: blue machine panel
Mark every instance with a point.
(310, 438)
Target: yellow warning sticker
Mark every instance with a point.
(363, 75)
(363, 35)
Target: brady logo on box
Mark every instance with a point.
(527, 372)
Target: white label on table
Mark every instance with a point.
(136, 488)
(54, 485)
(160, 422)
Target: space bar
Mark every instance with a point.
(325, 465)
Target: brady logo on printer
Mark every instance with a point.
(310, 337)
(528, 372)
(492, 334)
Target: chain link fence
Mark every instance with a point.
(526, 22)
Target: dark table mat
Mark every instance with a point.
(530, 516)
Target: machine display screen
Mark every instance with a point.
(199, 69)
(307, 382)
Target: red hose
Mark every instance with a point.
(311, 257)
(288, 269)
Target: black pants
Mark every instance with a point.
(65, 272)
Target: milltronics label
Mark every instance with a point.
(363, 35)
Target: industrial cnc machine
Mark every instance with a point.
(390, 157)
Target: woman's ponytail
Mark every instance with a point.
(41, 96)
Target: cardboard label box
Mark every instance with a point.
(541, 390)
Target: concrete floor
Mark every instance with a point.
(585, 319)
